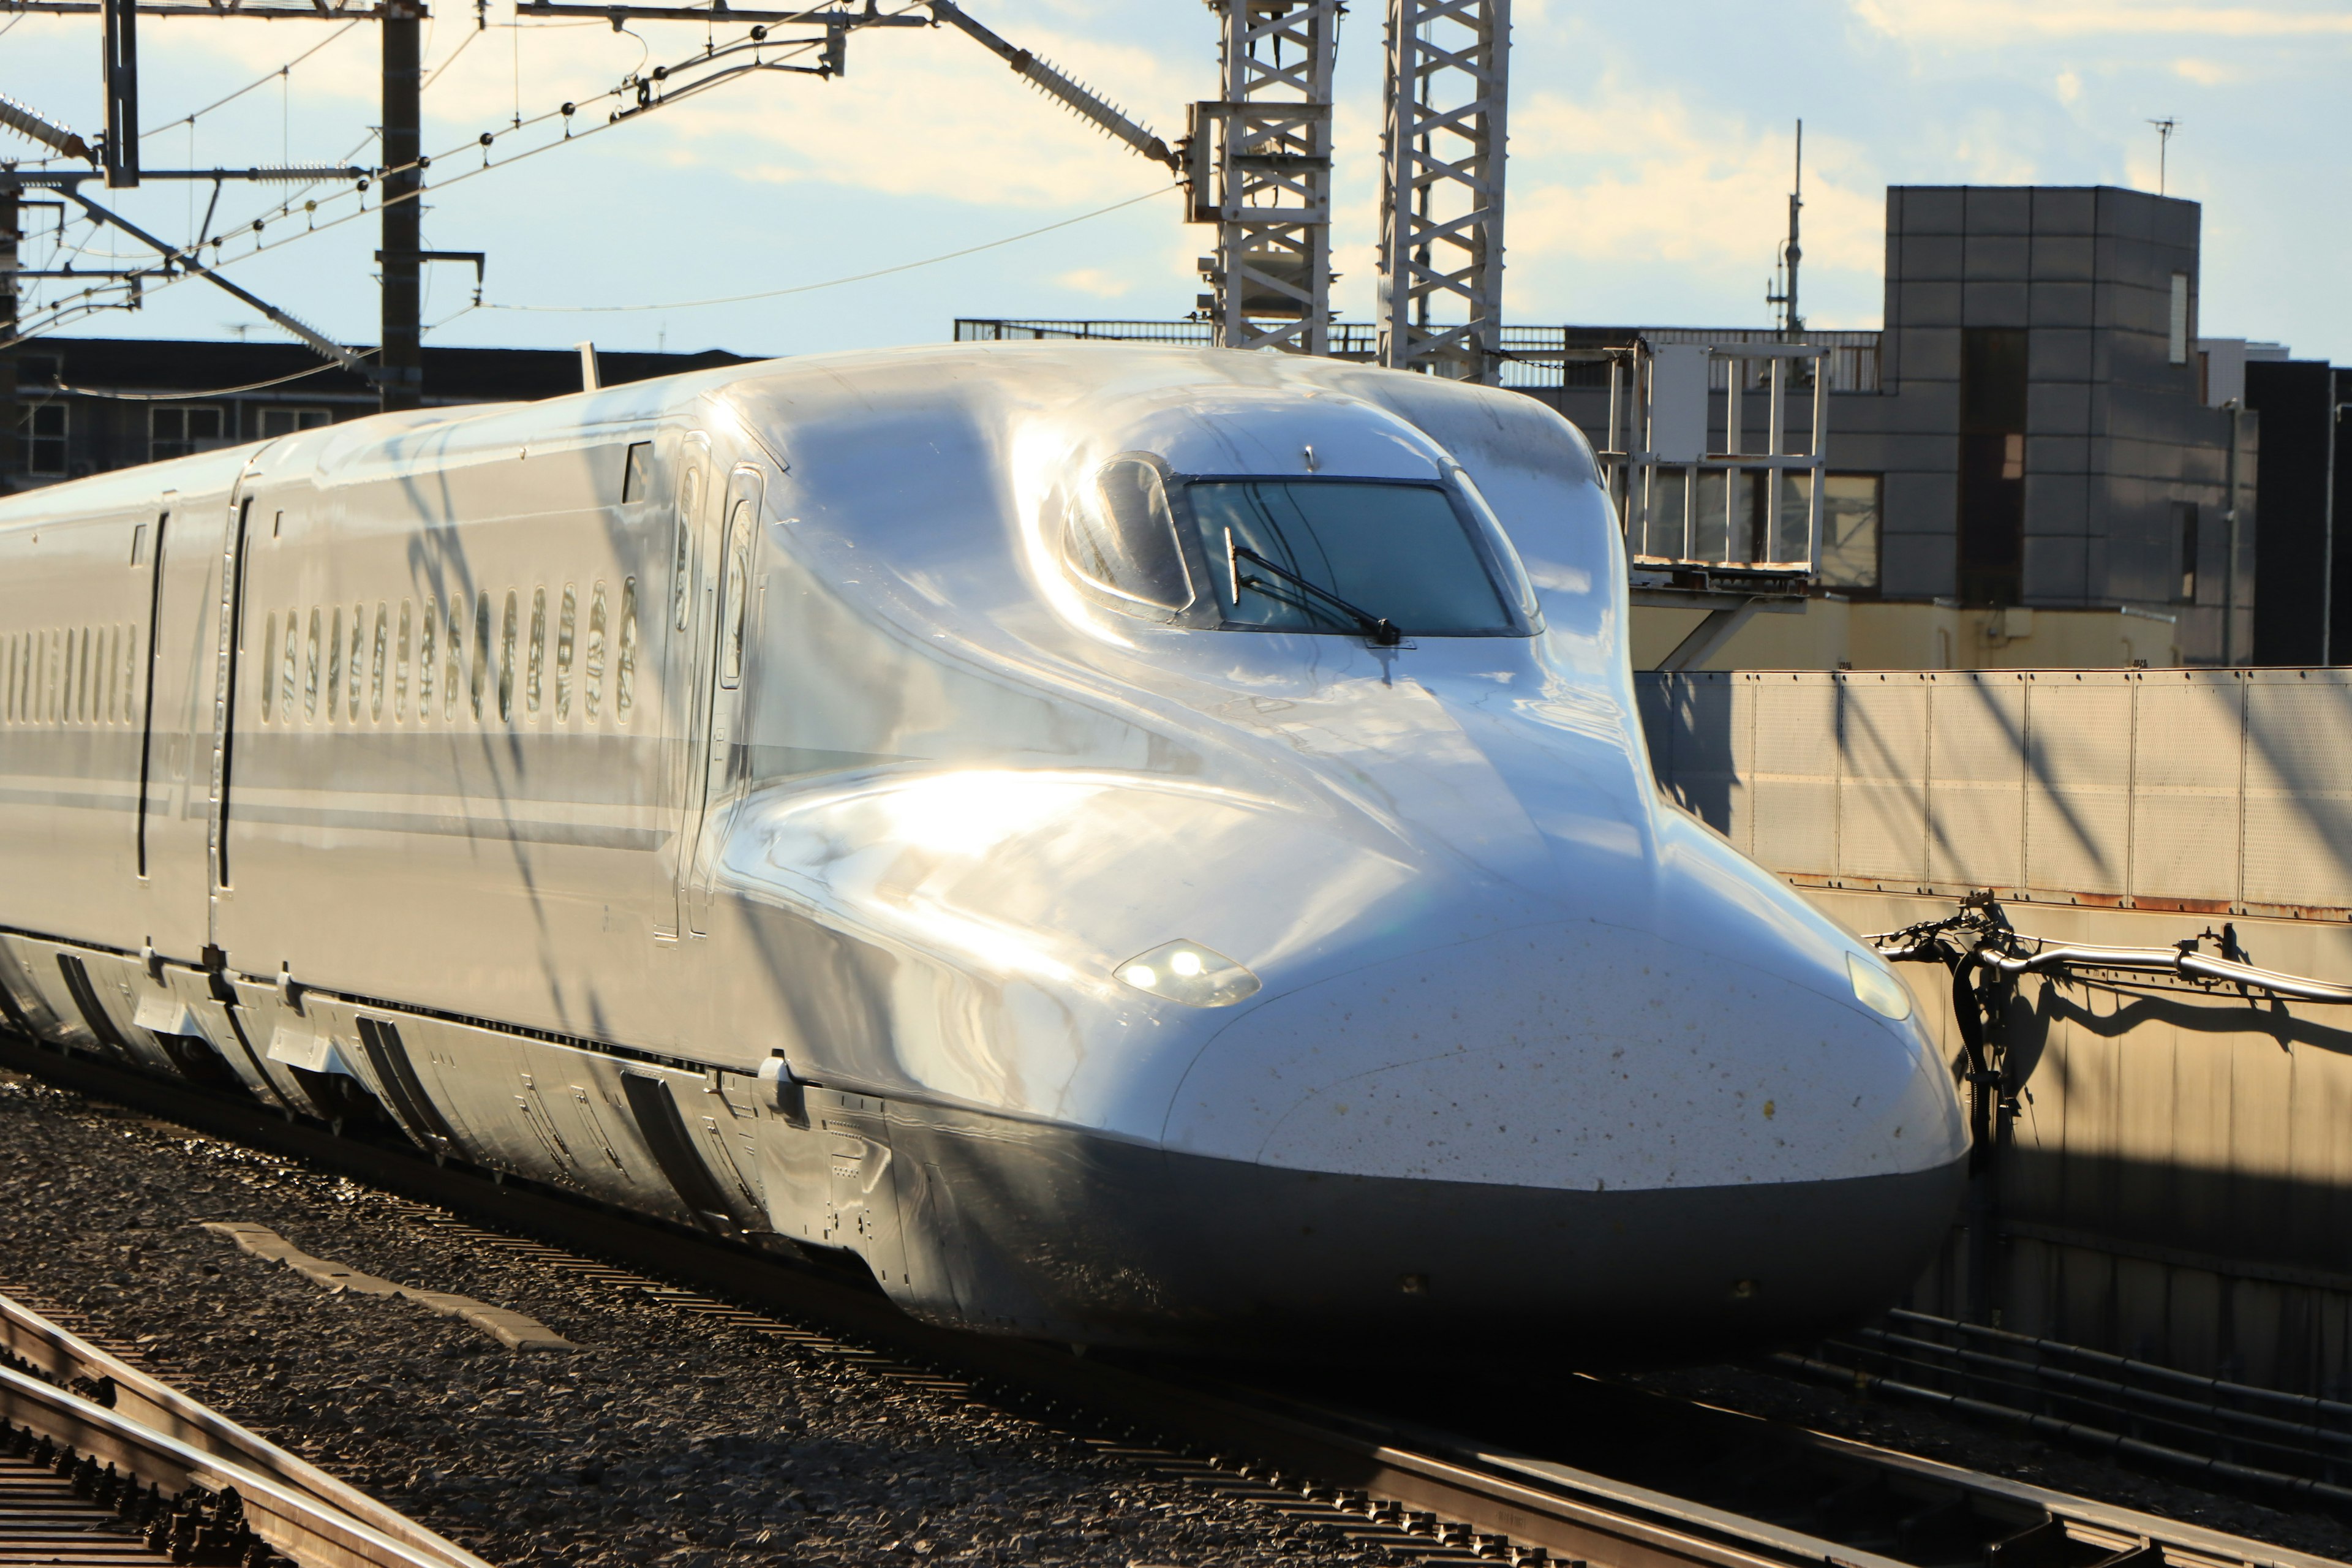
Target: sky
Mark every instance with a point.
(1650, 151)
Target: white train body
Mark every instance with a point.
(763, 799)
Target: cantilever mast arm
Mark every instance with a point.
(1053, 84)
(315, 342)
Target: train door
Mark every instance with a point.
(233, 556)
(710, 790)
(694, 593)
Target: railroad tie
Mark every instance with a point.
(513, 1330)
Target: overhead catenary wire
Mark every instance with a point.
(853, 278)
(115, 396)
(165, 276)
(179, 119)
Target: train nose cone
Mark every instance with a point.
(1576, 1124)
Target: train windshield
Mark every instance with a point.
(1323, 555)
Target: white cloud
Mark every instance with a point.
(1634, 175)
(1093, 280)
(2070, 88)
(1986, 22)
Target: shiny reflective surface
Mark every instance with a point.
(830, 934)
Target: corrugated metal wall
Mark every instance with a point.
(2176, 1181)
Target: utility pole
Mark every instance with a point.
(1270, 194)
(12, 448)
(402, 360)
(1441, 160)
(120, 42)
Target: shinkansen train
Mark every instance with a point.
(1136, 846)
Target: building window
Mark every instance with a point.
(44, 445)
(1851, 506)
(2184, 536)
(1992, 465)
(286, 421)
(2180, 323)
(177, 432)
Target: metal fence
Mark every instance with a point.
(1535, 358)
(2225, 792)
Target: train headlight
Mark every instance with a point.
(1189, 973)
(1875, 987)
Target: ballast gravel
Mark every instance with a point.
(672, 1439)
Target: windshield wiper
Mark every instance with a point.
(1378, 630)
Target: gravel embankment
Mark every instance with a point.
(673, 1439)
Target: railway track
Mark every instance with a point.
(101, 1465)
(1602, 1474)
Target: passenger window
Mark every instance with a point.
(596, 654)
(375, 665)
(453, 659)
(564, 652)
(536, 668)
(481, 650)
(682, 573)
(400, 670)
(506, 659)
(637, 472)
(735, 593)
(311, 671)
(268, 665)
(427, 645)
(356, 663)
(1120, 540)
(624, 678)
(286, 670)
(334, 661)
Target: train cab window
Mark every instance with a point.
(735, 595)
(1316, 555)
(637, 472)
(1119, 541)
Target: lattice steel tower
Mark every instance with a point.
(1441, 279)
(1271, 193)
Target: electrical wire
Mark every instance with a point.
(179, 119)
(836, 282)
(215, 392)
(165, 276)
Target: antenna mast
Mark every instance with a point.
(2163, 148)
(1792, 325)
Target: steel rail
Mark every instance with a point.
(51, 1349)
(1524, 1496)
(288, 1518)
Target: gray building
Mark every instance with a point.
(2036, 424)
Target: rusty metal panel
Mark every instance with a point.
(1883, 780)
(2078, 795)
(1793, 782)
(2187, 784)
(1976, 780)
(2298, 836)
